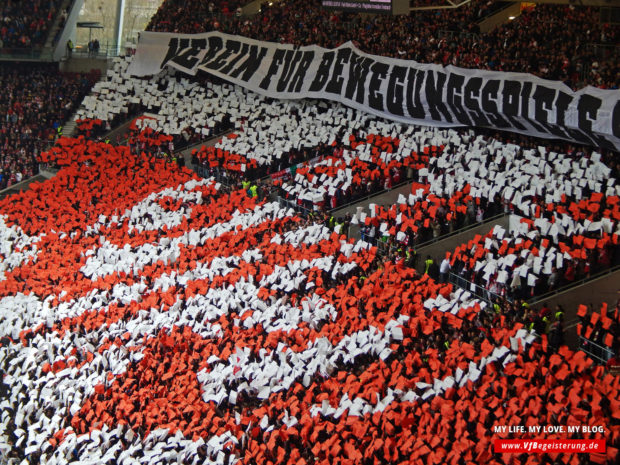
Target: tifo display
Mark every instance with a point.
(313, 236)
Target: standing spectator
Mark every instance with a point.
(553, 280)
(427, 264)
(444, 269)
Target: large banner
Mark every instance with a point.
(400, 90)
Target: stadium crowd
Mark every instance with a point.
(438, 361)
(148, 315)
(461, 177)
(35, 102)
(572, 233)
(559, 42)
(25, 23)
(562, 238)
(320, 167)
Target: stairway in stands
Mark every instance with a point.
(56, 26)
(68, 130)
(501, 13)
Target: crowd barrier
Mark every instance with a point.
(600, 354)
(478, 291)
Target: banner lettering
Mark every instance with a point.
(399, 90)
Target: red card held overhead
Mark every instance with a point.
(582, 310)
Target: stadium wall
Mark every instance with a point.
(68, 31)
(437, 250)
(603, 289)
(85, 65)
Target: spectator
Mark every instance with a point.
(444, 269)
(553, 280)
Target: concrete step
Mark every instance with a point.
(68, 130)
(598, 289)
(21, 186)
(447, 243)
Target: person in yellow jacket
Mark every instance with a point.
(427, 264)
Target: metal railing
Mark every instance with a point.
(453, 35)
(596, 352)
(109, 50)
(198, 145)
(216, 174)
(48, 167)
(292, 204)
(460, 230)
(370, 196)
(568, 325)
(487, 295)
(449, 6)
(17, 54)
(476, 290)
(387, 248)
(603, 51)
(610, 14)
(567, 287)
(17, 185)
(495, 8)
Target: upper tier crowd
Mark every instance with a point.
(35, 101)
(24, 24)
(558, 42)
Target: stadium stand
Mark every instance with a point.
(36, 101)
(598, 330)
(25, 24)
(174, 15)
(216, 329)
(152, 315)
(550, 41)
(554, 212)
